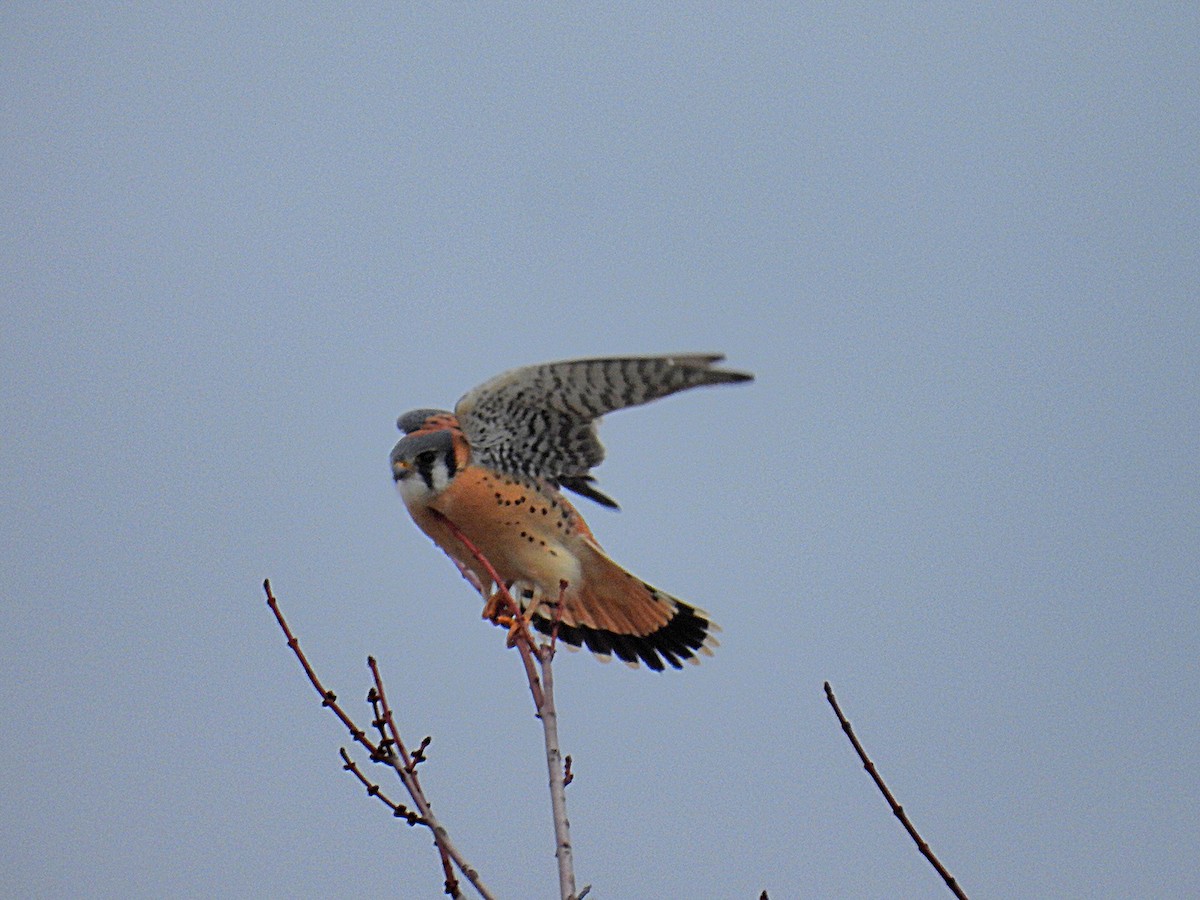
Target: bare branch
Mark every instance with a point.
(389, 750)
(558, 795)
(399, 810)
(897, 809)
(328, 698)
(405, 765)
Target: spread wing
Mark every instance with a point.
(540, 421)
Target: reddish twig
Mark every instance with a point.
(897, 809)
(542, 690)
(390, 750)
(520, 629)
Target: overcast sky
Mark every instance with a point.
(957, 245)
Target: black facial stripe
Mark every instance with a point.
(425, 461)
(421, 452)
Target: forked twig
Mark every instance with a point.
(391, 751)
(543, 700)
(399, 810)
(897, 809)
(406, 767)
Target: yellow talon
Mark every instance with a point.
(491, 609)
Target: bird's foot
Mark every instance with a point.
(515, 625)
(499, 610)
(491, 609)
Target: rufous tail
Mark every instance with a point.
(614, 613)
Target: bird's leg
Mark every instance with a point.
(500, 610)
(501, 605)
(530, 601)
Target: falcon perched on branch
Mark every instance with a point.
(495, 466)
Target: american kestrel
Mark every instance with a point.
(495, 466)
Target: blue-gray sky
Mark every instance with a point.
(958, 247)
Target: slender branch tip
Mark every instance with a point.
(897, 809)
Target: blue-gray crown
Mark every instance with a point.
(414, 419)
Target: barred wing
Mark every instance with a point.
(540, 421)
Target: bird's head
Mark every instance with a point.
(426, 459)
(423, 464)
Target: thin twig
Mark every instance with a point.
(558, 795)
(383, 753)
(406, 766)
(897, 809)
(399, 810)
(542, 690)
(328, 698)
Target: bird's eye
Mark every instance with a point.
(425, 459)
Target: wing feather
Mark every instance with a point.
(540, 421)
